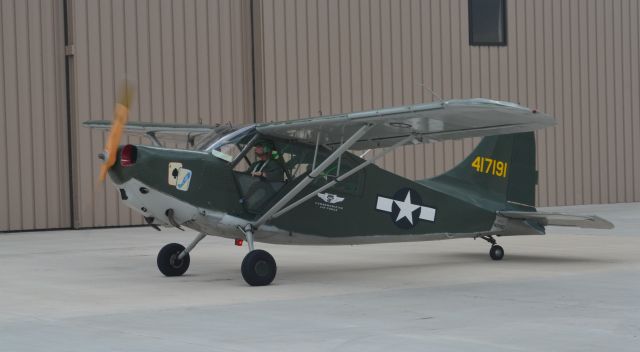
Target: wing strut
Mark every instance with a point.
(313, 174)
(343, 177)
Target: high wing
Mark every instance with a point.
(437, 121)
(157, 132)
(452, 119)
(559, 219)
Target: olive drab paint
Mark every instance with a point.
(384, 203)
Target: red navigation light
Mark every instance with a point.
(239, 242)
(128, 155)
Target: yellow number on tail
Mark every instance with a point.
(499, 168)
(476, 163)
(490, 166)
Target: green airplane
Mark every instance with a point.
(299, 181)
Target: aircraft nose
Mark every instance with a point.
(126, 158)
(128, 155)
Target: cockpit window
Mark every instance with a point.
(352, 185)
(269, 164)
(230, 145)
(205, 141)
(295, 158)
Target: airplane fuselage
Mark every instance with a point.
(374, 206)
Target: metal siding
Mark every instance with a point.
(634, 15)
(592, 102)
(539, 80)
(618, 162)
(34, 178)
(602, 102)
(191, 61)
(583, 94)
(574, 59)
(187, 60)
(627, 101)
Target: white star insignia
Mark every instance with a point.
(406, 208)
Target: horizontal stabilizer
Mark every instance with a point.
(559, 219)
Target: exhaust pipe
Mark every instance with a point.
(150, 220)
(170, 213)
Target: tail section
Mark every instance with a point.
(501, 167)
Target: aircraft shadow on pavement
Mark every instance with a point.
(442, 261)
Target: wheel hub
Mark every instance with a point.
(175, 262)
(262, 268)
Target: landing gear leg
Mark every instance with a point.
(248, 235)
(192, 245)
(496, 252)
(258, 267)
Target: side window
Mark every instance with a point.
(296, 158)
(352, 185)
(231, 151)
(245, 163)
(270, 164)
(260, 174)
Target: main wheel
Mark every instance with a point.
(496, 252)
(258, 268)
(168, 261)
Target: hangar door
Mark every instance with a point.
(34, 163)
(189, 62)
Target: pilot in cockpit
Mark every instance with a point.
(268, 165)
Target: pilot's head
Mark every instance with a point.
(264, 150)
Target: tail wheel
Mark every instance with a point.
(258, 268)
(496, 252)
(168, 262)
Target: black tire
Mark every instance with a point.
(496, 252)
(168, 261)
(258, 268)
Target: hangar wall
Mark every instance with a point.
(191, 61)
(577, 60)
(34, 163)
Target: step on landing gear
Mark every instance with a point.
(258, 267)
(496, 252)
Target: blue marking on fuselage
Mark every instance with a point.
(184, 180)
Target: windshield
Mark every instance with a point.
(208, 139)
(230, 145)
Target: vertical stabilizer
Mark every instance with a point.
(501, 167)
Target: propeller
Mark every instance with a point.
(120, 116)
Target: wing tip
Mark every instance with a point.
(601, 223)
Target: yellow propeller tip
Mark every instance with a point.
(126, 94)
